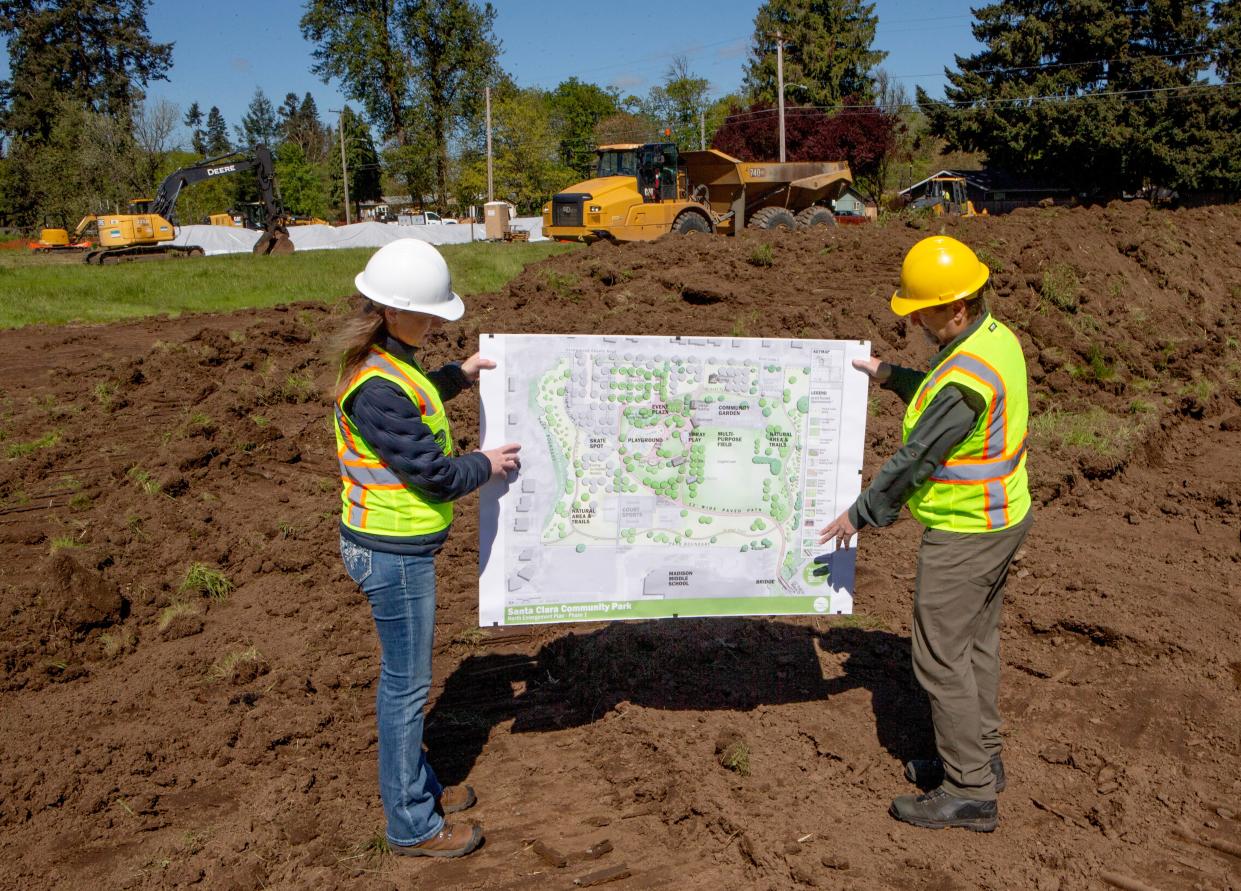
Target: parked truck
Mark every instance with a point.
(640, 192)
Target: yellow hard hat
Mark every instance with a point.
(938, 270)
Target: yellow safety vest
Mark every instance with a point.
(374, 500)
(982, 486)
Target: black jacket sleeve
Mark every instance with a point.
(945, 423)
(392, 425)
(449, 380)
(904, 382)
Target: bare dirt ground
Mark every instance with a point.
(158, 735)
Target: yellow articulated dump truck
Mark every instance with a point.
(641, 192)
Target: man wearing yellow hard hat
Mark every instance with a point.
(961, 469)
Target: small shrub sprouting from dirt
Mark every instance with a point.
(732, 752)
(1061, 287)
(1094, 430)
(239, 667)
(1103, 371)
(562, 284)
(64, 543)
(179, 612)
(858, 620)
(202, 579)
(144, 480)
(990, 260)
(468, 638)
(104, 391)
(762, 256)
(117, 643)
(371, 851)
(199, 424)
(297, 388)
(22, 449)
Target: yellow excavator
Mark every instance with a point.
(946, 195)
(55, 239)
(148, 226)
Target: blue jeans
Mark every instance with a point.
(402, 595)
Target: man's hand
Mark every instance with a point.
(473, 365)
(504, 459)
(874, 369)
(839, 530)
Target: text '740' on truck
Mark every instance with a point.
(640, 192)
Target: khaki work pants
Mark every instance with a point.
(956, 647)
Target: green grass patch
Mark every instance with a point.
(202, 579)
(1061, 286)
(224, 668)
(36, 290)
(22, 449)
(1095, 430)
(762, 256)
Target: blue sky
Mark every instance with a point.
(226, 48)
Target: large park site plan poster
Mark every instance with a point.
(668, 476)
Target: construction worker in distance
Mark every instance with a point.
(400, 475)
(961, 470)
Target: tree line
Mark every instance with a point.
(1098, 96)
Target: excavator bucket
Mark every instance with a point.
(277, 242)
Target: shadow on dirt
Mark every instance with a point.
(702, 664)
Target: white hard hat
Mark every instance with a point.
(410, 275)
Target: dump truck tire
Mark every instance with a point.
(690, 222)
(815, 216)
(773, 218)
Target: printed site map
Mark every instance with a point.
(665, 477)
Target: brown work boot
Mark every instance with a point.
(454, 840)
(454, 799)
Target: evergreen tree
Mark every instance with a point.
(198, 136)
(828, 51)
(1226, 15)
(216, 140)
(360, 157)
(1098, 96)
(65, 56)
(258, 124)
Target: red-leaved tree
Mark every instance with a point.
(865, 137)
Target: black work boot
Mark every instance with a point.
(927, 773)
(939, 809)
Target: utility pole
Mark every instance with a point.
(344, 169)
(780, 87)
(490, 185)
(702, 129)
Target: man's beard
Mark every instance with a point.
(930, 338)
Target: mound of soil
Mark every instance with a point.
(187, 675)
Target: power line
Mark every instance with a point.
(1205, 52)
(1151, 93)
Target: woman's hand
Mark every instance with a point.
(839, 531)
(473, 365)
(504, 459)
(874, 369)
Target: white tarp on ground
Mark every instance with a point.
(232, 240)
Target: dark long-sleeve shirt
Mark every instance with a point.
(942, 426)
(390, 423)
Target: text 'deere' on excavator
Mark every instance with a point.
(149, 226)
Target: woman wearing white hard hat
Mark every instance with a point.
(400, 476)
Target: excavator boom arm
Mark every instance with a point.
(235, 162)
